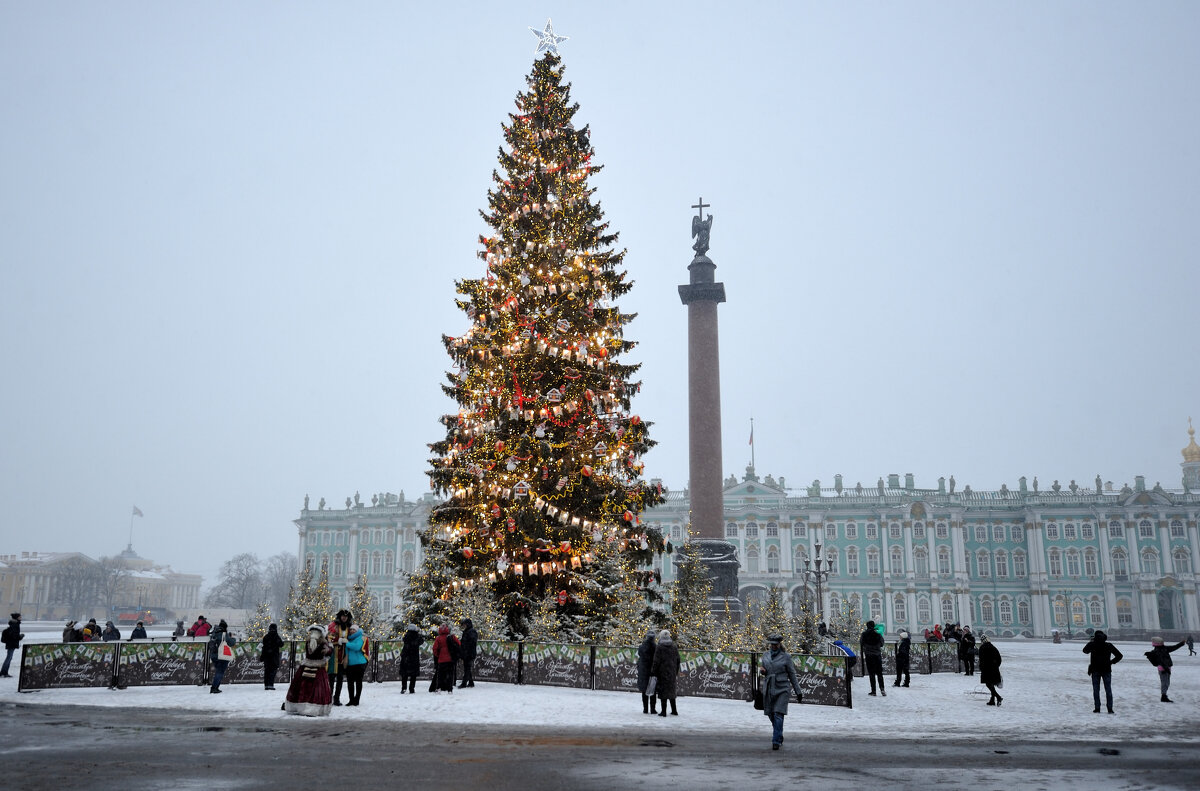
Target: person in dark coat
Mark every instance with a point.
(989, 669)
(1104, 655)
(966, 650)
(410, 658)
(179, 631)
(779, 683)
(139, 632)
(272, 653)
(645, 658)
(215, 639)
(1160, 657)
(665, 669)
(903, 658)
(870, 645)
(11, 637)
(469, 643)
(111, 633)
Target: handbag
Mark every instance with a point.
(650, 687)
(224, 652)
(758, 699)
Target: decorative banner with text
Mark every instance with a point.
(387, 659)
(714, 674)
(616, 668)
(59, 666)
(247, 666)
(943, 657)
(498, 661)
(153, 664)
(824, 680)
(556, 665)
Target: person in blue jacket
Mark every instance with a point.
(356, 664)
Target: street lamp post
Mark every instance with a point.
(813, 571)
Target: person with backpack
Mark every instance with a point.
(1160, 657)
(446, 650)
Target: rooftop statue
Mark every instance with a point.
(701, 228)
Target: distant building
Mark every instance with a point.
(1009, 562)
(55, 585)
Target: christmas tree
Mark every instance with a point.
(695, 625)
(309, 603)
(540, 466)
(363, 608)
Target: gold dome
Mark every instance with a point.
(1192, 452)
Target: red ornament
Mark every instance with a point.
(468, 552)
(587, 471)
(562, 597)
(495, 511)
(512, 524)
(499, 446)
(565, 546)
(635, 420)
(629, 516)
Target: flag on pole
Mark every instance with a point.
(137, 511)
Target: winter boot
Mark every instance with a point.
(1165, 699)
(645, 705)
(674, 712)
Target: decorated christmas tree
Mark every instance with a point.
(366, 615)
(693, 621)
(541, 463)
(309, 602)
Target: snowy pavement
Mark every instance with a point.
(1047, 695)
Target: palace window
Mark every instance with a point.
(924, 613)
(943, 562)
(1072, 564)
(986, 611)
(676, 531)
(1177, 528)
(1087, 531)
(876, 605)
(947, 609)
(339, 538)
(899, 608)
(852, 562)
(312, 539)
(752, 530)
(831, 532)
(855, 604)
(1116, 529)
(772, 560)
(894, 531)
(897, 560)
(325, 539)
(872, 531)
(981, 533)
(1054, 564)
(408, 561)
(1060, 612)
(831, 561)
(1052, 530)
(364, 558)
(1077, 612)
(799, 530)
(308, 562)
(1006, 612)
(731, 530)
(1002, 564)
(1120, 565)
(1124, 612)
(800, 556)
(1019, 568)
(772, 530)
(390, 537)
(851, 530)
(997, 533)
(872, 562)
(921, 562)
(1096, 612)
(1018, 533)
(983, 564)
(389, 563)
(1145, 529)
(1182, 561)
(1150, 562)
(324, 564)
(338, 564)
(376, 564)
(1091, 564)
(1069, 531)
(1023, 610)
(752, 560)
(942, 531)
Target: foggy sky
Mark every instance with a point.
(955, 239)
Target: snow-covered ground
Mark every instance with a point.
(1047, 695)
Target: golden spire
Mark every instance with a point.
(1192, 452)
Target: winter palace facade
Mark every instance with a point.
(1010, 562)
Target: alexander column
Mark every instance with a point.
(702, 295)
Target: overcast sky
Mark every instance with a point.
(956, 238)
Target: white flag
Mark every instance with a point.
(137, 511)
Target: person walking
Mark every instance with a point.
(11, 637)
(870, 645)
(966, 651)
(111, 633)
(1191, 646)
(445, 652)
(339, 635)
(217, 639)
(410, 658)
(1160, 657)
(272, 653)
(138, 633)
(665, 669)
(989, 669)
(309, 694)
(470, 645)
(1104, 655)
(779, 683)
(903, 658)
(356, 664)
(645, 660)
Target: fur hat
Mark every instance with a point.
(412, 627)
(904, 634)
(665, 634)
(774, 637)
(315, 628)
(1156, 641)
(16, 616)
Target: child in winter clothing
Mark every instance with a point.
(1160, 657)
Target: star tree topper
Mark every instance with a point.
(547, 41)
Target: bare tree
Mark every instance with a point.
(279, 578)
(112, 580)
(75, 584)
(240, 584)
